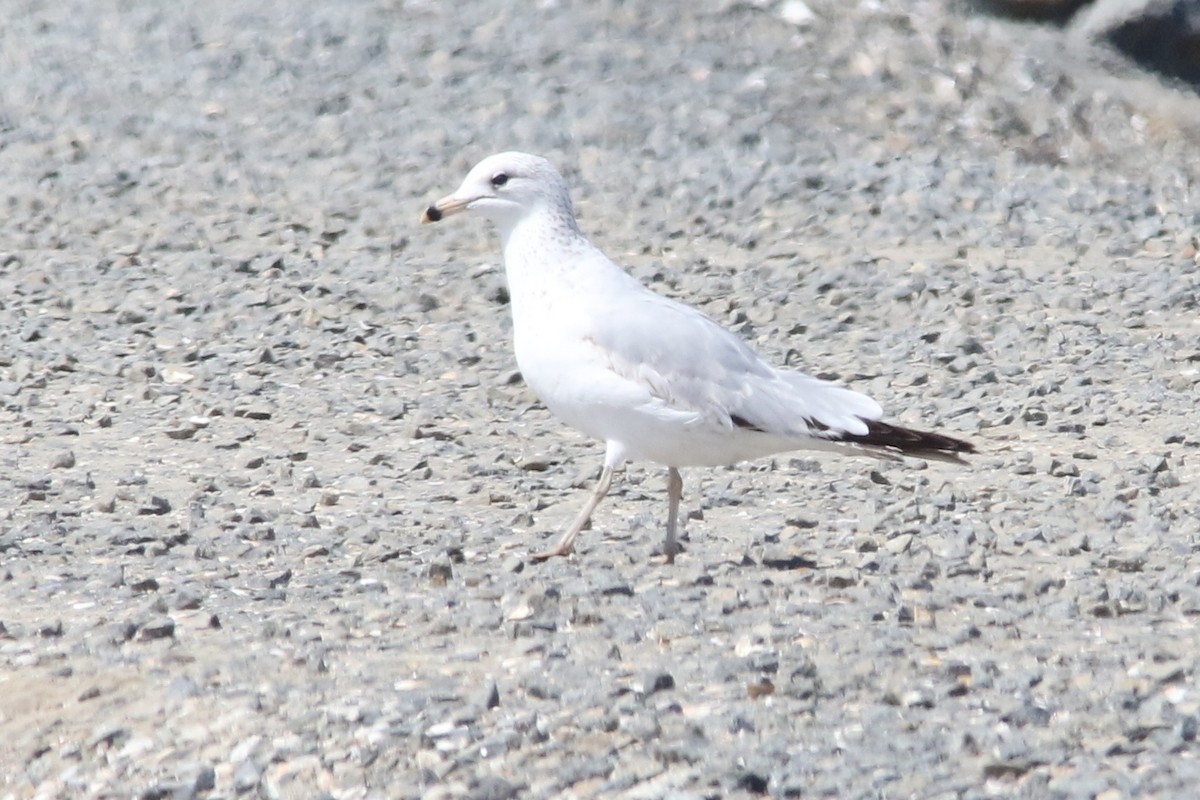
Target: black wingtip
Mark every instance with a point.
(911, 442)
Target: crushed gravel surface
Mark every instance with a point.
(268, 473)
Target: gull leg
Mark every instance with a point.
(671, 546)
(567, 542)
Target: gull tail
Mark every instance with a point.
(893, 439)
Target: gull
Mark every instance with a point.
(652, 378)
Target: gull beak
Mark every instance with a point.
(446, 207)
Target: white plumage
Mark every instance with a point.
(652, 378)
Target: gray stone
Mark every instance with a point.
(157, 628)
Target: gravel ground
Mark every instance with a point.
(269, 472)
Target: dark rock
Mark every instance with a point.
(157, 628)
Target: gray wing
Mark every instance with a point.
(690, 362)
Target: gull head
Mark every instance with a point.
(506, 188)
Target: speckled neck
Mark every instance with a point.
(538, 231)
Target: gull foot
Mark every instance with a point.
(553, 552)
(668, 551)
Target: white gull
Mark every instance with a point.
(651, 377)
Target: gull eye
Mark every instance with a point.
(499, 179)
